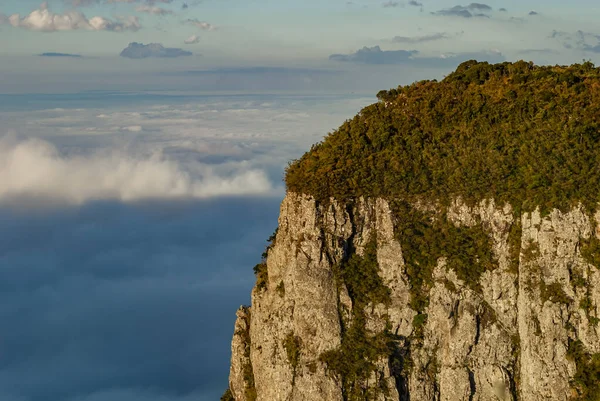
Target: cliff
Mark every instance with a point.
(460, 288)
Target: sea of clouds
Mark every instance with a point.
(128, 232)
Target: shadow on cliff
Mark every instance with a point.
(122, 302)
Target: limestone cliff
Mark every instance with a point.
(442, 244)
(522, 327)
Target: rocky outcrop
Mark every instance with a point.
(506, 332)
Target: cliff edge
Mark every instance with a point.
(442, 245)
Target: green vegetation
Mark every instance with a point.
(586, 381)
(586, 303)
(514, 243)
(425, 239)
(554, 293)
(531, 252)
(262, 276)
(360, 274)
(227, 396)
(293, 345)
(353, 363)
(247, 369)
(280, 289)
(590, 250)
(260, 270)
(515, 132)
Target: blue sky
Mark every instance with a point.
(232, 33)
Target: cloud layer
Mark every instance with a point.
(35, 169)
(114, 302)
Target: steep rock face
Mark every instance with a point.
(503, 335)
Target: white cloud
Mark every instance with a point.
(202, 24)
(45, 20)
(35, 168)
(192, 40)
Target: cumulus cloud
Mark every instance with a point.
(390, 4)
(35, 168)
(374, 55)
(201, 24)
(192, 40)
(468, 11)
(139, 51)
(45, 20)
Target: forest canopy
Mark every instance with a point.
(515, 132)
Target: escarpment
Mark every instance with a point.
(442, 245)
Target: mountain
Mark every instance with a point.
(441, 245)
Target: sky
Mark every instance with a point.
(142, 149)
(57, 45)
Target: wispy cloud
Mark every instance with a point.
(51, 54)
(419, 39)
(192, 40)
(206, 26)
